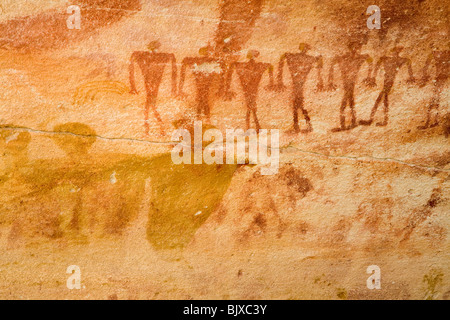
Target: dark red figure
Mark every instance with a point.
(349, 64)
(300, 65)
(250, 74)
(152, 65)
(205, 70)
(391, 67)
(441, 61)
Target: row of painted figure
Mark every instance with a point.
(206, 67)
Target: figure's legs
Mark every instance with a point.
(296, 105)
(352, 109)
(199, 106)
(308, 120)
(199, 100)
(386, 110)
(342, 114)
(199, 109)
(207, 109)
(251, 109)
(374, 111)
(151, 102)
(342, 110)
(203, 102)
(255, 118)
(146, 110)
(348, 100)
(223, 81)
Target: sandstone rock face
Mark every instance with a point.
(124, 149)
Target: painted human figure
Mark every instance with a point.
(300, 65)
(391, 65)
(350, 64)
(205, 69)
(441, 61)
(152, 65)
(250, 74)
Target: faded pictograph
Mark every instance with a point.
(441, 61)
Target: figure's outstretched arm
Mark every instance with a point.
(134, 56)
(280, 85)
(174, 73)
(319, 66)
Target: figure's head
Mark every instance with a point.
(304, 47)
(206, 51)
(253, 54)
(154, 45)
(74, 138)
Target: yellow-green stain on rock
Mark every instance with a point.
(183, 198)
